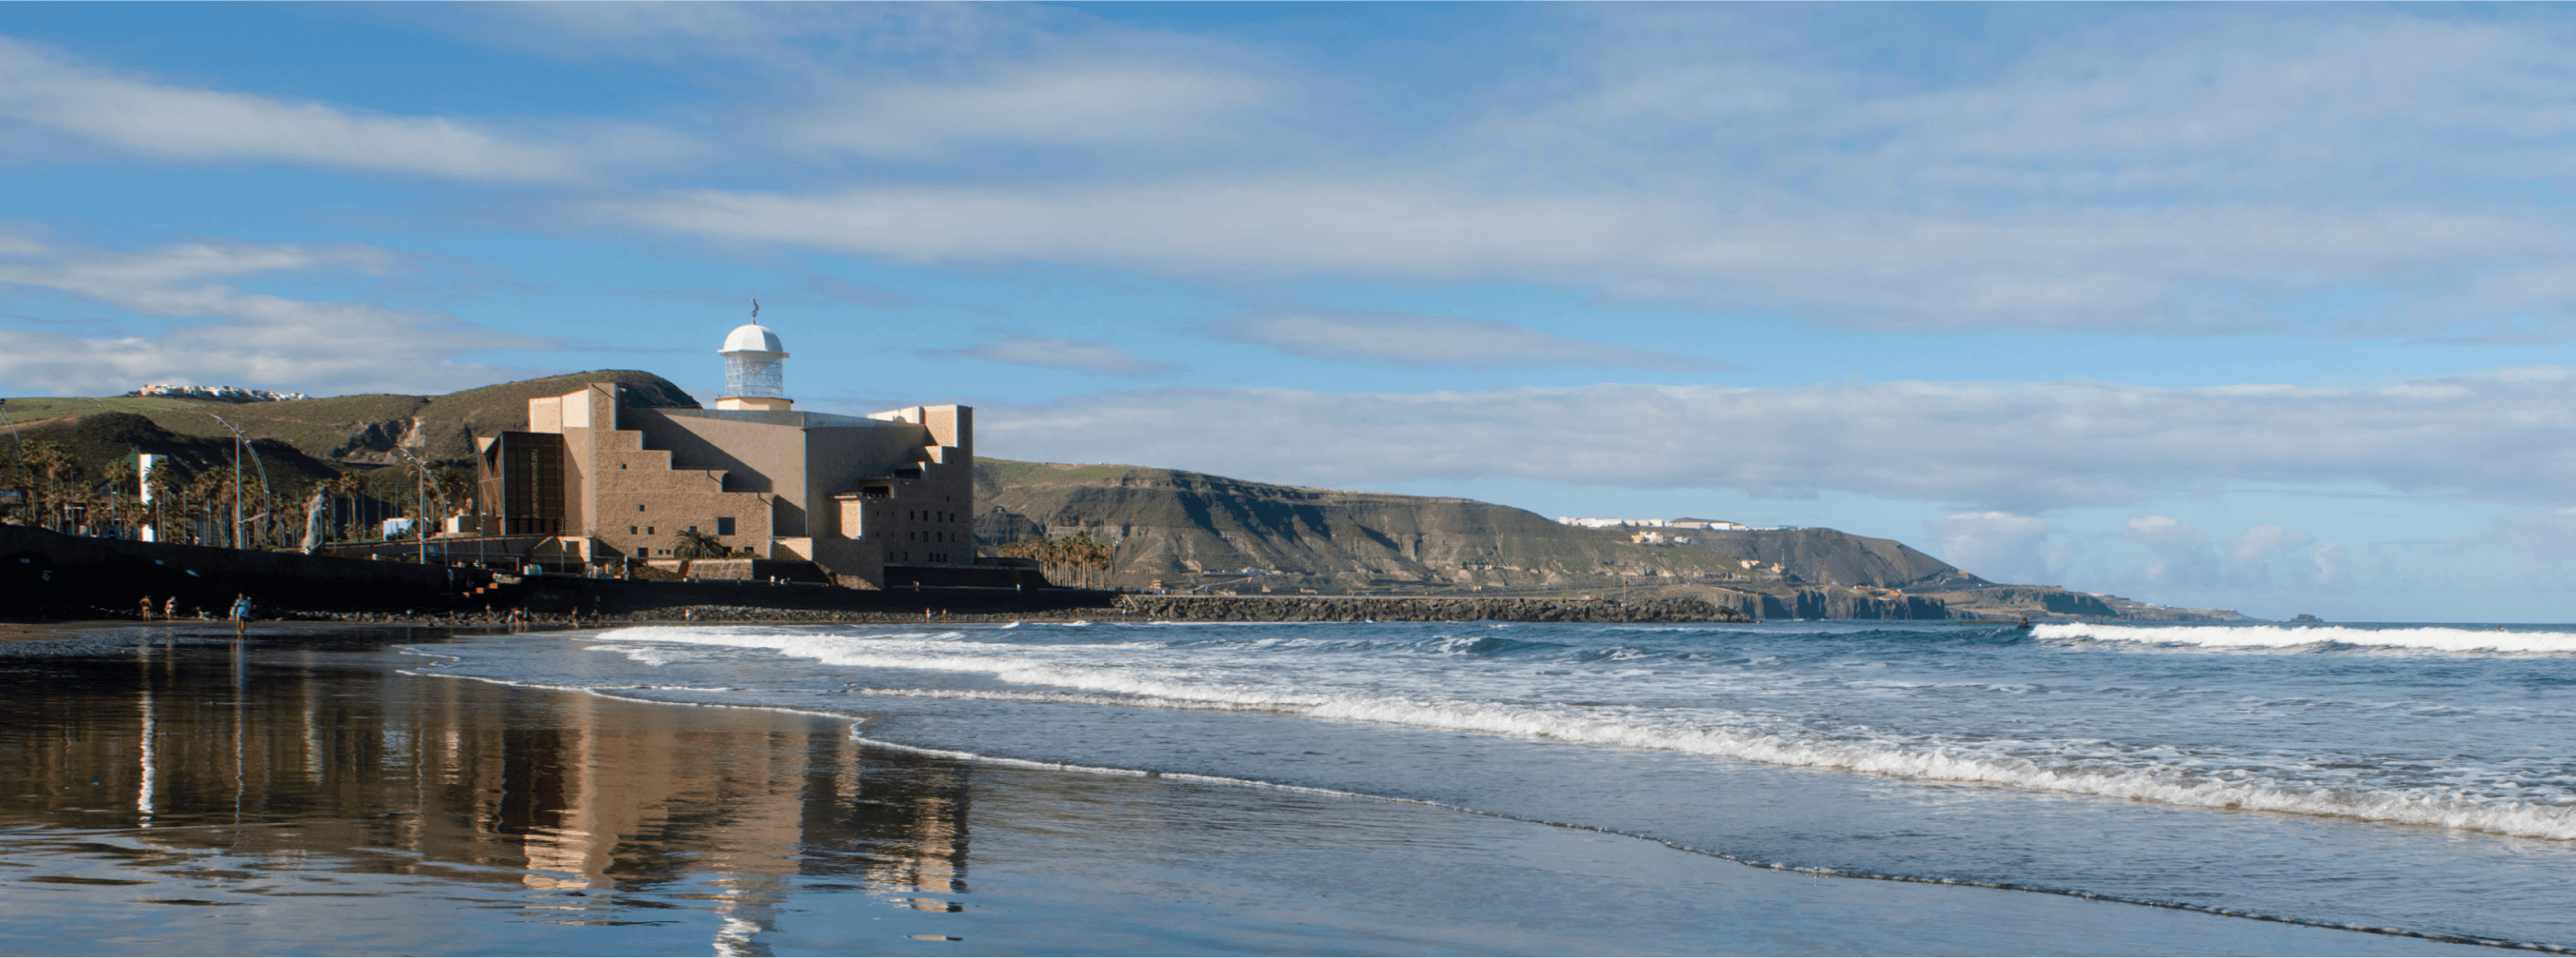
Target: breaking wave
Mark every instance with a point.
(2288, 637)
(2140, 778)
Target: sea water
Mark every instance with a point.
(2416, 779)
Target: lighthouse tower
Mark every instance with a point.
(752, 354)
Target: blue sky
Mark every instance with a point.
(2255, 306)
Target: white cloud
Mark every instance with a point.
(1998, 546)
(43, 91)
(1416, 340)
(957, 83)
(1123, 105)
(2261, 541)
(2329, 560)
(2198, 173)
(2184, 270)
(2183, 555)
(2545, 534)
(2011, 448)
(1081, 355)
(223, 336)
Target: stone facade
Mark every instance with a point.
(854, 495)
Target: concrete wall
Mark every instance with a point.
(632, 499)
(50, 575)
(753, 457)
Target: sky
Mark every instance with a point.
(2259, 307)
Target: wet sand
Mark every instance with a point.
(31, 631)
(182, 793)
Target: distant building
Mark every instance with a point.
(217, 393)
(1682, 523)
(873, 500)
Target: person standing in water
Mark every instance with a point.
(241, 613)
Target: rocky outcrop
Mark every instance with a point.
(1834, 603)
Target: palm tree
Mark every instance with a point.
(1069, 559)
(692, 544)
(346, 486)
(119, 476)
(206, 496)
(166, 488)
(44, 463)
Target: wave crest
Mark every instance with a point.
(2433, 638)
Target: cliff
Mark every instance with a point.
(1191, 531)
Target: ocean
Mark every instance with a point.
(2412, 778)
(1114, 787)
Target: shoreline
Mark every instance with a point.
(1063, 859)
(937, 608)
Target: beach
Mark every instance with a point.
(172, 791)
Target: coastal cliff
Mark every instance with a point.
(1194, 531)
(1191, 532)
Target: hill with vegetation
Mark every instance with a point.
(1187, 531)
(361, 429)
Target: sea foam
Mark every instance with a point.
(1169, 687)
(2283, 637)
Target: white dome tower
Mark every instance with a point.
(752, 355)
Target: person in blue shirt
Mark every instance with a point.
(241, 613)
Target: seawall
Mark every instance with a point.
(1424, 609)
(45, 574)
(49, 575)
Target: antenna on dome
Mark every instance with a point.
(755, 310)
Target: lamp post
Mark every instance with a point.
(241, 443)
(420, 489)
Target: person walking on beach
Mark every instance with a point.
(241, 613)
(147, 608)
(170, 609)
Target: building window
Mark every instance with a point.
(630, 530)
(639, 507)
(724, 525)
(693, 528)
(648, 530)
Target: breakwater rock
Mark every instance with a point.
(1839, 602)
(1419, 609)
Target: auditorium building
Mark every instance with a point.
(870, 501)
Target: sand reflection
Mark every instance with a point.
(317, 761)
